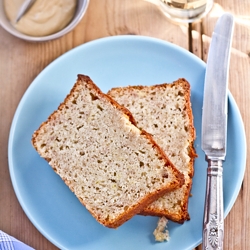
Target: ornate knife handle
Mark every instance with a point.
(213, 227)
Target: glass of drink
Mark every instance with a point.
(186, 10)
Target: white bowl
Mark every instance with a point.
(80, 11)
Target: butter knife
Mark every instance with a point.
(214, 129)
(23, 9)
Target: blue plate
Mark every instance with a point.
(112, 62)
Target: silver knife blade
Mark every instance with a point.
(214, 130)
(214, 117)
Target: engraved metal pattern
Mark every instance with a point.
(213, 231)
(216, 229)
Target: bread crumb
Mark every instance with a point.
(161, 233)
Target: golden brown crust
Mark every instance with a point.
(111, 100)
(183, 215)
(134, 210)
(139, 207)
(192, 153)
(176, 217)
(146, 200)
(161, 152)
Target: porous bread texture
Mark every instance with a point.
(161, 232)
(165, 112)
(114, 168)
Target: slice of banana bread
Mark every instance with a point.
(165, 112)
(114, 168)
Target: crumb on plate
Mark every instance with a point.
(161, 233)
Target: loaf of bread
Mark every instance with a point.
(114, 168)
(165, 112)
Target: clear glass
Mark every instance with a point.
(186, 10)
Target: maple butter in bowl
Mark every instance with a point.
(44, 20)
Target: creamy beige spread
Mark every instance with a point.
(45, 17)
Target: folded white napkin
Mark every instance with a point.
(8, 242)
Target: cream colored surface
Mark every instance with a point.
(11, 8)
(45, 17)
(163, 111)
(95, 149)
